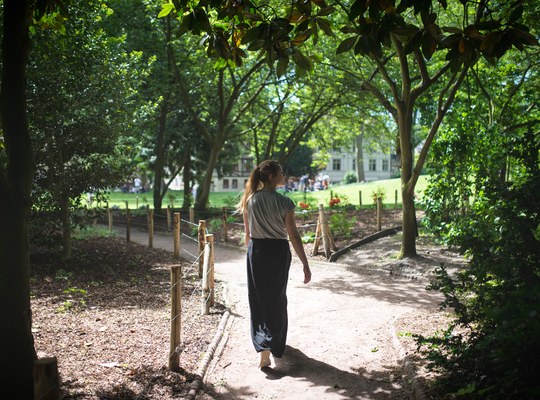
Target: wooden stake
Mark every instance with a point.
(169, 221)
(210, 240)
(324, 229)
(379, 214)
(205, 281)
(176, 317)
(150, 228)
(191, 215)
(46, 379)
(225, 229)
(176, 235)
(317, 242)
(109, 215)
(360, 198)
(201, 233)
(128, 225)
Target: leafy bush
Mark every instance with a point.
(350, 177)
(342, 224)
(490, 349)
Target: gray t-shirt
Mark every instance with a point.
(266, 214)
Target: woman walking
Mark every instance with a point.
(268, 220)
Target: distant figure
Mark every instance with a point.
(137, 185)
(268, 220)
(194, 191)
(304, 182)
(325, 181)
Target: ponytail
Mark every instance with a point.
(258, 176)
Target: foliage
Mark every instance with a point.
(350, 177)
(490, 350)
(79, 107)
(341, 224)
(378, 193)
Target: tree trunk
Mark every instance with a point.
(160, 158)
(18, 355)
(408, 244)
(360, 173)
(202, 198)
(186, 178)
(66, 225)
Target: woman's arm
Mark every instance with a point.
(247, 235)
(294, 237)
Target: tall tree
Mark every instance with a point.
(80, 88)
(411, 54)
(16, 173)
(229, 92)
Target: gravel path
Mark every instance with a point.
(342, 339)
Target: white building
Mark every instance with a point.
(377, 166)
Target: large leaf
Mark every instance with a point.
(302, 61)
(166, 9)
(346, 45)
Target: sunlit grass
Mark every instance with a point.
(175, 198)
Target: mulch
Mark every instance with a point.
(105, 312)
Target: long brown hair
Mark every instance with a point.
(257, 178)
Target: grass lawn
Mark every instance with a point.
(228, 199)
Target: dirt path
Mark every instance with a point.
(342, 339)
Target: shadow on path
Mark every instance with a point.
(296, 365)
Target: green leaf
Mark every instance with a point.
(324, 24)
(282, 64)
(358, 8)
(346, 45)
(166, 9)
(302, 61)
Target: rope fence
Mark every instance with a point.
(202, 263)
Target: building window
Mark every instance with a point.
(336, 164)
(247, 164)
(235, 183)
(385, 164)
(373, 165)
(225, 183)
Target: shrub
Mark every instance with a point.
(350, 177)
(342, 224)
(490, 349)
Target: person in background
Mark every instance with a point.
(268, 220)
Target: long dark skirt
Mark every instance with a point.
(268, 263)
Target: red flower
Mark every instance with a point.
(303, 206)
(334, 201)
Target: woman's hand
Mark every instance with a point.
(307, 274)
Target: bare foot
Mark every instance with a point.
(265, 359)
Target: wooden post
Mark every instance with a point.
(225, 229)
(201, 233)
(176, 246)
(379, 213)
(360, 198)
(191, 215)
(324, 229)
(317, 238)
(46, 379)
(136, 202)
(205, 281)
(169, 221)
(176, 317)
(395, 202)
(210, 240)
(109, 216)
(150, 228)
(128, 225)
